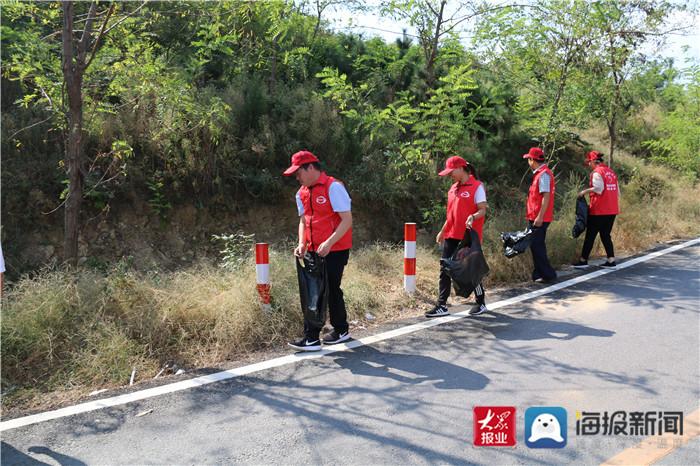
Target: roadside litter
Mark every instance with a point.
(516, 242)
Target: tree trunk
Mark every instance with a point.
(74, 168)
(551, 130)
(612, 132)
(73, 76)
(75, 61)
(431, 48)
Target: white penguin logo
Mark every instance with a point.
(545, 426)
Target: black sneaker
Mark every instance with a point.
(438, 311)
(608, 264)
(478, 309)
(580, 264)
(306, 345)
(334, 338)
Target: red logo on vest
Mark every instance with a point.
(464, 194)
(605, 203)
(319, 219)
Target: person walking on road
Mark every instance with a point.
(325, 227)
(604, 194)
(540, 213)
(466, 208)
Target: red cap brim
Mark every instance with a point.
(291, 170)
(446, 171)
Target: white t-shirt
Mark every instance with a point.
(340, 199)
(598, 183)
(480, 194)
(544, 179)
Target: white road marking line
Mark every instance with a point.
(293, 358)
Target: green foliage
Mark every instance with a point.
(236, 250)
(158, 202)
(192, 102)
(434, 215)
(679, 144)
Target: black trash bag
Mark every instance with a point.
(467, 266)
(313, 288)
(516, 242)
(581, 218)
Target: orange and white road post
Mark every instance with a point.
(409, 257)
(262, 274)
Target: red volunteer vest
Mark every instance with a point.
(319, 218)
(460, 205)
(534, 197)
(605, 203)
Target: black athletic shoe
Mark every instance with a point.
(438, 311)
(306, 345)
(334, 338)
(608, 264)
(580, 264)
(478, 309)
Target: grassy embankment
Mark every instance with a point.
(73, 332)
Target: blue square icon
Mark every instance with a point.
(545, 427)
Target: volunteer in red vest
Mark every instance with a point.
(466, 208)
(604, 193)
(325, 226)
(540, 213)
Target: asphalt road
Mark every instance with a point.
(629, 340)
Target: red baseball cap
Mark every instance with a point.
(535, 153)
(593, 155)
(300, 158)
(452, 163)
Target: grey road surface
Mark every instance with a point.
(629, 340)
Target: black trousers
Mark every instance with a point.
(538, 248)
(335, 265)
(449, 246)
(598, 224)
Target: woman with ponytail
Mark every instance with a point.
(466, 209)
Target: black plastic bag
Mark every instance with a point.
(313, 288)
(467, 266)
(516, 242)
(581, 218)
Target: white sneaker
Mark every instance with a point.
(438, 311)
(478, 309)
(306, 345)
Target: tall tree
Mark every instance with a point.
(626, 34)
(435, 21)
(54, 73)
(542, 49)
(77, 56)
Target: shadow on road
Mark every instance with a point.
(369, 361)
(510, 328)
(10, 456)
(308, 397)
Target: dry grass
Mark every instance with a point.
(78, 330)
